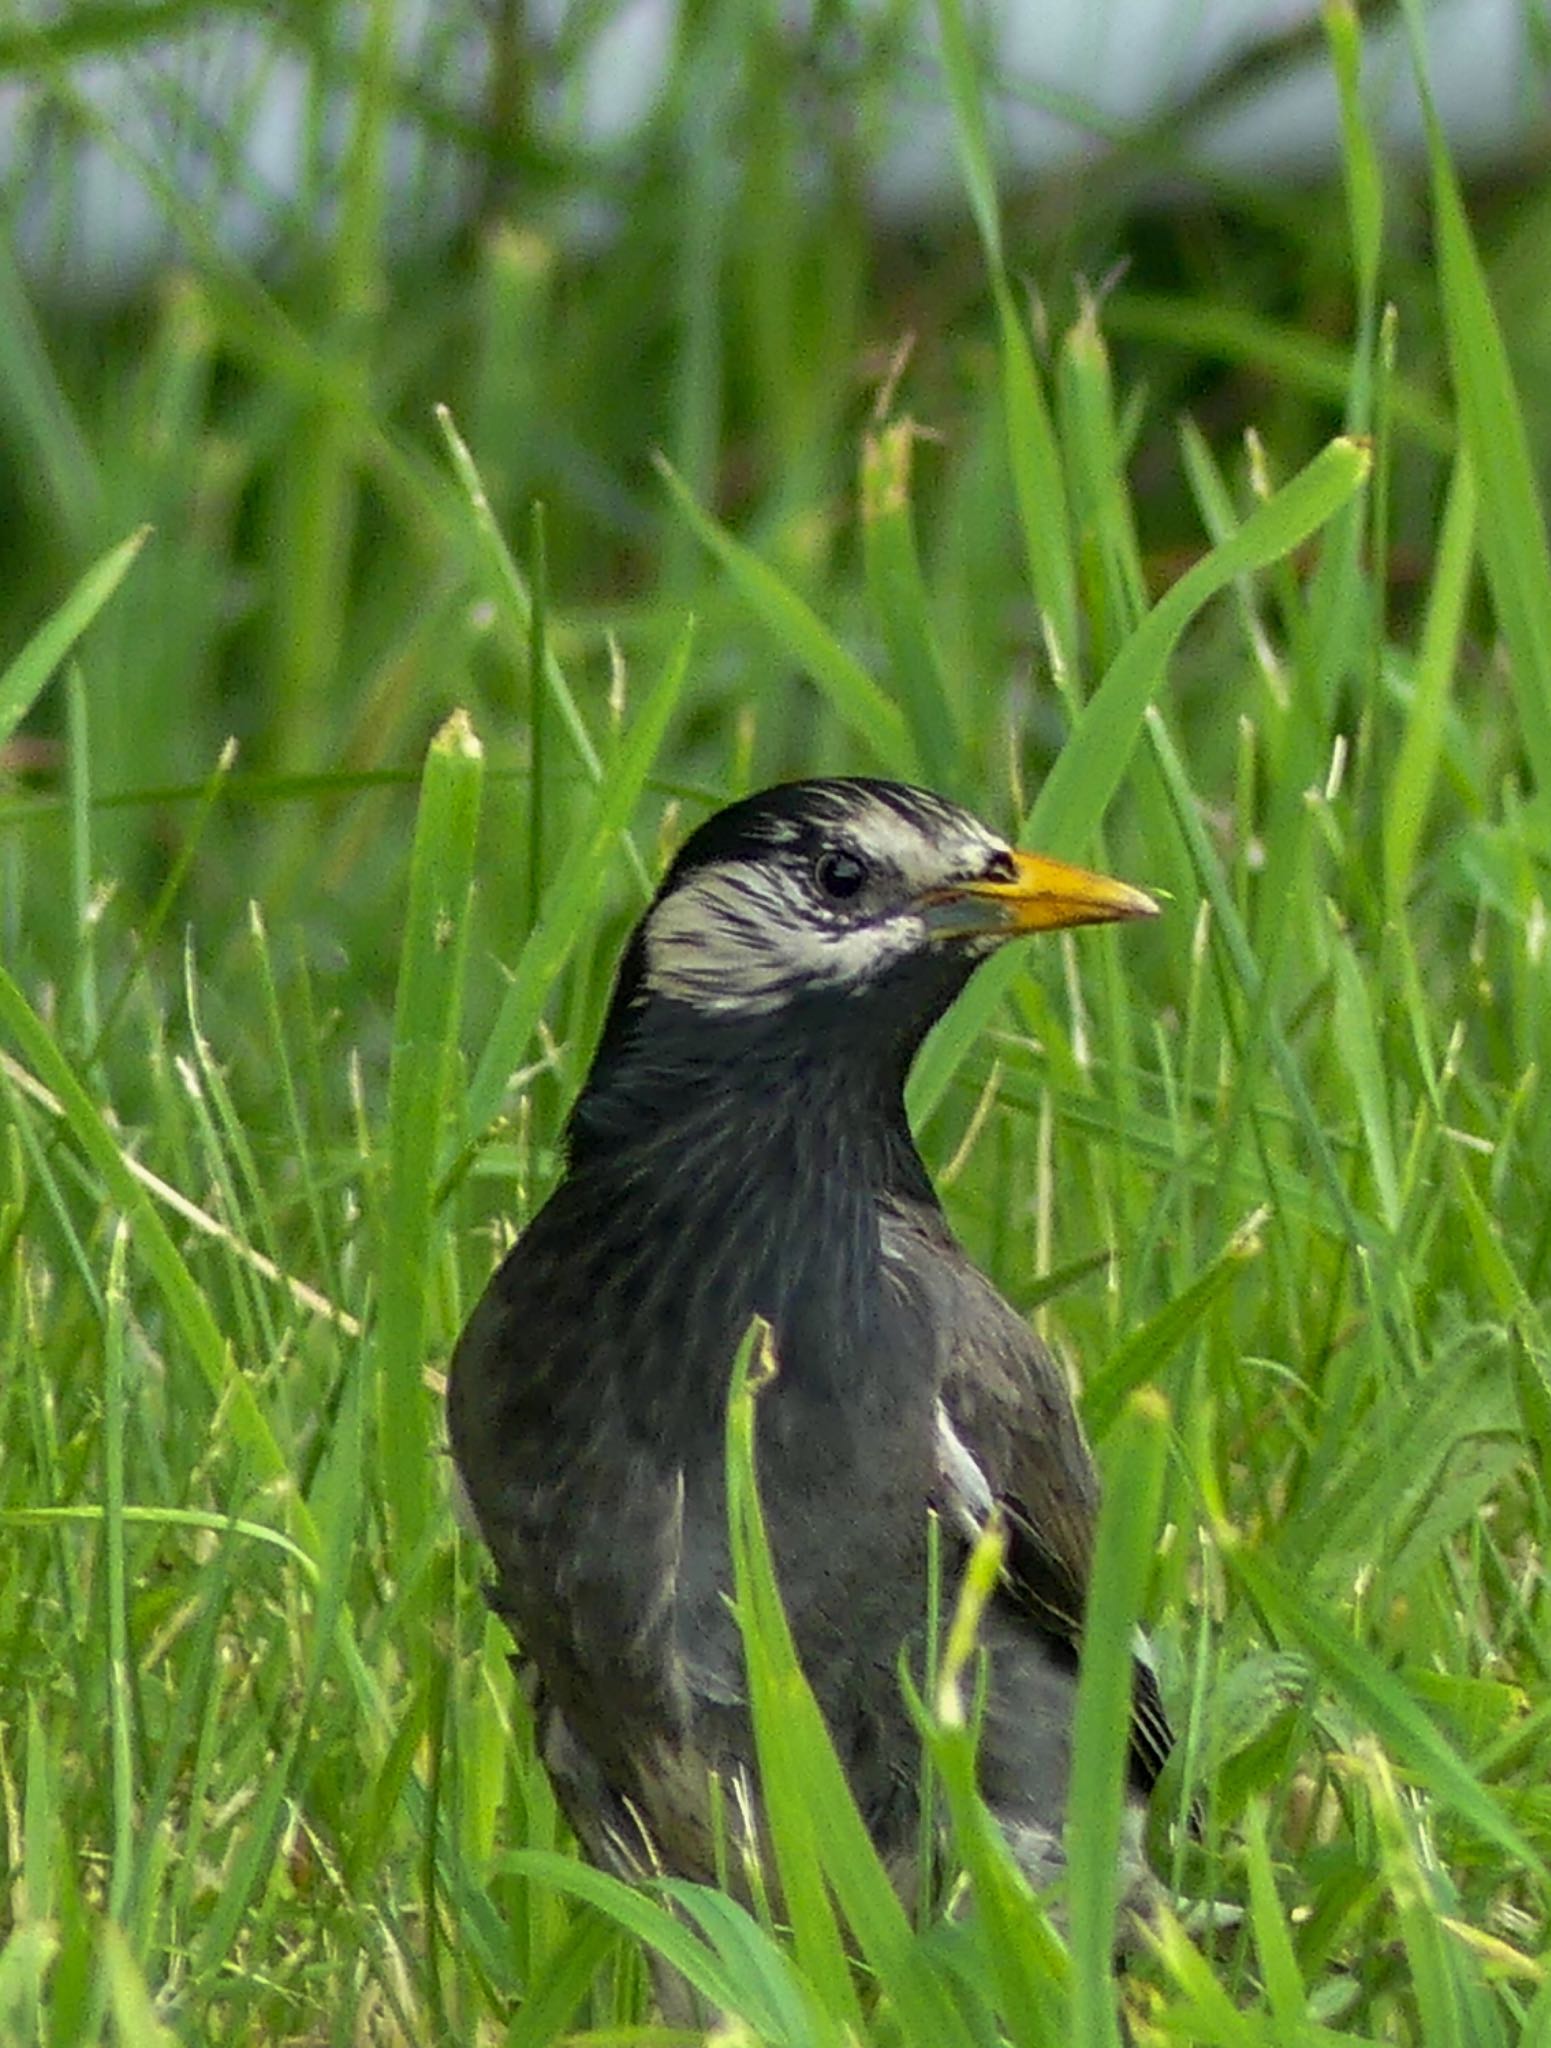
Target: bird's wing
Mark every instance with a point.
(1008, 1436)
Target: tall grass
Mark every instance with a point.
(289, 1031)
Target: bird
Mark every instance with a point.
(740, 1149)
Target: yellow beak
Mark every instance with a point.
(1043, 895)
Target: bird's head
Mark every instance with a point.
(835, 903)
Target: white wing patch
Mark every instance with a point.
(966, 1492)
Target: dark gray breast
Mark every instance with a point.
(587, 1408)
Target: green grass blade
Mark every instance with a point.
(779, 1702)
(1451, 2002)
(120, 1702)
(1374, 1693)
(1029, 1969)
(1122, 1562)
(1513, 538)
(425, 1035)
(1273, 1938)
(574, 891)
(547, 2007)
(1090, 767)
(338, 1500)
(1364, 182)
(901, 607)
(872, 718)
(1357, 1037)
(961, 73)
(1233, 937)
(34, 1873)
(1149, 1348)
(134, 2012)
(1416, 768)
(199, 1519)
(1531, 1338)
(84, 1004)
(1386, 1482)
(1039, 485)
(514, 605)
(632, 1908)
(818, 1835)
(1209, 2016)
(188, 1305)
(25, 676)
(42, 421)
(773, 1995)
(1114, 582)
(1230, 333)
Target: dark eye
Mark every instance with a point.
(839, 874)
(1001, 867)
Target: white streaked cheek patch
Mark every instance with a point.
(740, 937)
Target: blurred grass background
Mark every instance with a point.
(734, 479)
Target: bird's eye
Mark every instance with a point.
(1001, 867)
(840, 874)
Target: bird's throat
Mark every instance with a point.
(729, 1179)
(743, 1099)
